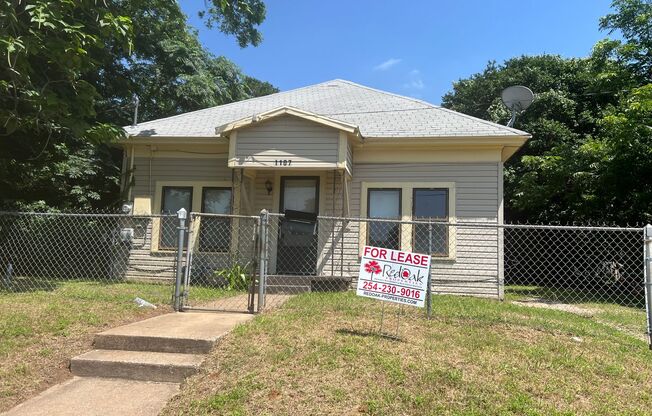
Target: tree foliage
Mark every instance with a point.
(69, 71)
(589, 156)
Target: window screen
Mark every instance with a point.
(430, 204)
(215, 234)
(174, 198)
(384, 204)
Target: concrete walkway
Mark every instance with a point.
(135, 369)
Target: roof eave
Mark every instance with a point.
(506, 140)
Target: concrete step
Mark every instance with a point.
(143, 258)
(136, 365)
(189, 332)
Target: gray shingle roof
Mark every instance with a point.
(376, 113)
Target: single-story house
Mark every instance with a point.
(334, 149)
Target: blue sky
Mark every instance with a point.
(412, 47)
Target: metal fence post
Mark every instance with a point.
(188, 266)
(429, 288)
(262, 274)
(647, 238)
(182, 215)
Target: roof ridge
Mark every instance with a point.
(231, 103)
(416, 100)
(491, 123)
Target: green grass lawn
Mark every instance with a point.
(625, 317)
(320, 354)
(41, 330)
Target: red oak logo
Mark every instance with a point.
(372, 267)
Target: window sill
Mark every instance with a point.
(450, 258)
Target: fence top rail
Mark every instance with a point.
(206, 214)
(473, 224)
(476, 224)
(60, 214)
(82, 215)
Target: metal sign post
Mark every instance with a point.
(381, 331)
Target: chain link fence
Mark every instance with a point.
(255, 263)
(43, 251)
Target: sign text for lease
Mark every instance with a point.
(393, 275)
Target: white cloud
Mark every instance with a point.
(387, 64)
(415, 84)
(414, 81)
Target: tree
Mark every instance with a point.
(588, 159)
(258, 88)
(566, 111)
(69, 71)
(633, 19)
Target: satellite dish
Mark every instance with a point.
(517, 98)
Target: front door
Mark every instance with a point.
(297, 240)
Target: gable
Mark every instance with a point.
(286, 142)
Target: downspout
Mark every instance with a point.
(149, 177)
(131, 172)
(333, 226)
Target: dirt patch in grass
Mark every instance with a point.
(40, 331)
(320, 354)
(559, 306)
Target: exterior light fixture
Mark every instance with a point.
(268, 186)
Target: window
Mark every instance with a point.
(215, 234)
(174, 198)
(385, 204)
(406, 200)
(430, 204)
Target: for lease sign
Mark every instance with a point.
(394, 276)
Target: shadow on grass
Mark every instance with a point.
(29, 284)
(575, 296)
(371, 334)
(36, 284)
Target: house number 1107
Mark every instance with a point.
(283, 162)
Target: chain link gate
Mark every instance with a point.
(220, 264)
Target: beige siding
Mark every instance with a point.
(475, 267)
(305, 143)
(176, 169)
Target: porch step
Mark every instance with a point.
(144, 258)
(136, 365)
(294, 284)
(145, 267)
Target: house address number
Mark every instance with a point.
(283, 162)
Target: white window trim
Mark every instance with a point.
(196, 207)
(407, 196)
